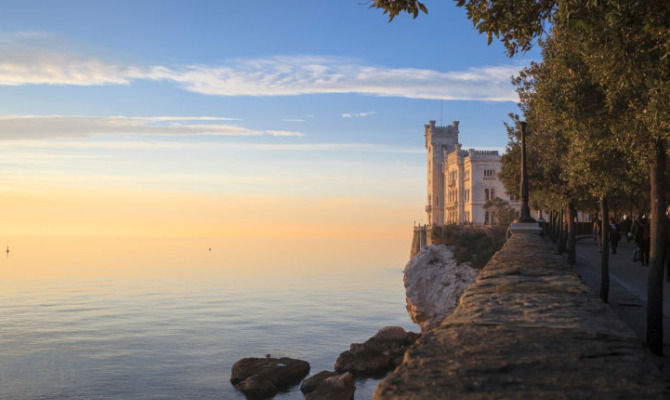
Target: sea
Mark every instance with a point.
(177, 335)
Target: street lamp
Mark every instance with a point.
(525, 210)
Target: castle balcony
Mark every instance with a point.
(429, 208)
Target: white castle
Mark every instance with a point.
(461, 181)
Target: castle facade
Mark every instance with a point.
(461, 181)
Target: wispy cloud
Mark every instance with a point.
(293, 120)
(58, 126)
(32, 145)
(357, 115)
(38, 59)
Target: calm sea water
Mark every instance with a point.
(178, 336)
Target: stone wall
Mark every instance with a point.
(527, 328)
(421, 238)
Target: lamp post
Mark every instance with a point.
(525, 210)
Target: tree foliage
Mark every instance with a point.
(504, 213)
(395, 7)
(598, 104)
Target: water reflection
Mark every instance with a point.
(95, 331)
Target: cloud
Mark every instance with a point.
(41, 59)
(357, 115)
(293, 120)
(74, 144)
(178, 118)
(58, 126)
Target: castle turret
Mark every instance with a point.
(440, 140)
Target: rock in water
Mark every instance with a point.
(378, 355)
(261, 378)
(434, 283)
(311, 383)
(328, 385)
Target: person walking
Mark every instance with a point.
(614, 237)
(643, 240)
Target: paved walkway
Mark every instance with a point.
(631, 275)
(628, 288)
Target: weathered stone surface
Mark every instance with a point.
(309, 384)
(378, 355)
(527, 329)
(257, 387)
(260, 378)
(433, 284)
(327, 385)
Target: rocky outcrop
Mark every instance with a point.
(528, 328)
(378, 355)
(433, 284)
(328, 385)
(261, 378)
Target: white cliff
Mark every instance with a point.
(433, 284)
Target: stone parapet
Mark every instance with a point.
(527, 328)
(483, 155)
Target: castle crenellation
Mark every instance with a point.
(491, 155)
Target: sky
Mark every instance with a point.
(285, 126)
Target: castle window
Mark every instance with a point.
(489, 172)
(486, 194)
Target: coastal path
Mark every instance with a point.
(528, 328)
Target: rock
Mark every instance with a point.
(257, 387)
(434, 283)
(260, 378)
(315, 380)
(378, 355)
(391, 333)
(336, 387)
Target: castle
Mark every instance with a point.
(461, 181)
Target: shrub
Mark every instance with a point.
(475, 246)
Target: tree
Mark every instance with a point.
(625, 46)
(395, 7)
(568, 99)
(504, 213)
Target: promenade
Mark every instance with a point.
(628, 287)
(528, 328)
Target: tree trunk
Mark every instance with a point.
(657, 250)
(572, 235)
(563, 235)
(556, 227)
(559, 226)
(604, 252)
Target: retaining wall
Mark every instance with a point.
(527, 328)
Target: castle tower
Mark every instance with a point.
(440, 140)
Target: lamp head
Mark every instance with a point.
(523, 126)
